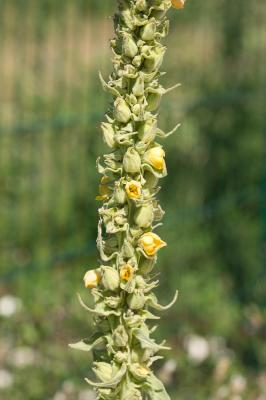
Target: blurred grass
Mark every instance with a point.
(51, 107)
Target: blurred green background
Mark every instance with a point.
(215, 196)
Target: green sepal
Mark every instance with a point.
(99, 309)
(113, 382)
(146, 342)
(152, 302)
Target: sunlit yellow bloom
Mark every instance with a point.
(151, 243)
(155, 157)
(104, 190)
(92, 279)
(133, 189)
(178, 3)
(126, 272)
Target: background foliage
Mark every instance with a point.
(215, 226)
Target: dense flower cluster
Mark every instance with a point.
(122, 285)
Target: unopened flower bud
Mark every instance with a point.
(148, 31)
(136, 109)
(110, 278)
(155, 157)
(141, 5)
(120, 195)
(137, 61)
(147, 130)
(133, 321)
(178, 3)
(151, 243)
(92, 278)
(126, 272)
(103, 371)
(108, 134)
(120, 336)
(122, 111)
(132, 161)
(138, 88)
(144, 215)
(127, 249)
(154, 59)
(133, 189)
(112, 302)
(136, 300)
(120, 357)
(130, 49)
(127, 18)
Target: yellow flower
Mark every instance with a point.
(155, 157)
(151, 243)
(104, 190)
(92, 279)
(126, 272)
(178, 3)
(133, 189)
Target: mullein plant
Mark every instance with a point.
(122, 286)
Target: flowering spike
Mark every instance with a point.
(122, 286)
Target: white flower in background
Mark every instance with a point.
(167, 370)
(87, 395)
(22, 357)
(222, 393)
(238, 384)
(9, 305)
(60, 396)
(198, 348)
(6, 379)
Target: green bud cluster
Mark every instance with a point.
(122, 286)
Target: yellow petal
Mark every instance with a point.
(151, 243)
(91, 279)
(178, 3)
(133, 189)
(155, 157)
(126, 272)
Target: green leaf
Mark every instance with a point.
(89, 343)
(156, 389)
